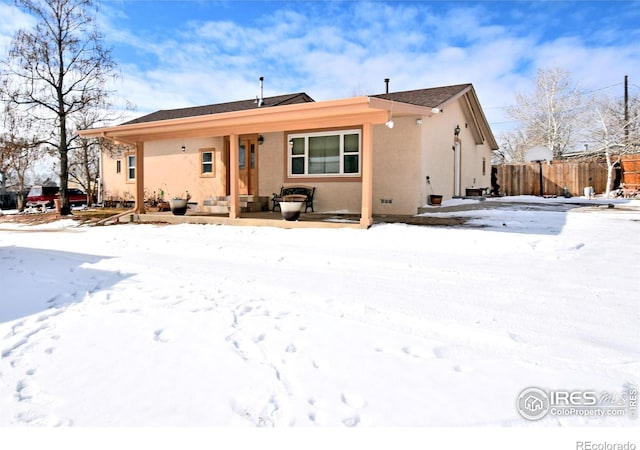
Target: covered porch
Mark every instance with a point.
(362, 112)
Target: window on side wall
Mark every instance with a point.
(207, 162)
(118, 166)
(324, 154)
(131, 167)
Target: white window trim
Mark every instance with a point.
(131, 167)
(211, 163)
(306, 137)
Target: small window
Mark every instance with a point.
(207, 162)
(484, 166)
(118, 166)
(131, 167)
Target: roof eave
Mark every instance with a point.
(333, 112)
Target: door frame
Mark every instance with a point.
(252, 172)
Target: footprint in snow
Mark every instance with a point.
(160, 336)
(351, 421)
(463, 369)
(441, 352)
(26, 389)
(353, 400)
(416, 351)
(318, 417)
(291, 348)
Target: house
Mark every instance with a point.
(368, 154)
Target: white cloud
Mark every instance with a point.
(11, 20)
(334, 50)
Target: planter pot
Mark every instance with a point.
(435, 200)
(164, 206)
(474, 192)
(290, 210)
(178, 206)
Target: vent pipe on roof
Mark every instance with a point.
(386, 83)
(261, 99)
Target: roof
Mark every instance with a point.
(298, 111)
(439, 97)
(430, 97)
(242, 105)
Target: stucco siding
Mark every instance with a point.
(396, 167)
(176, 172)
(114, 184)
(169, 169)
(437, 157)
(331, 195)
(271, 164)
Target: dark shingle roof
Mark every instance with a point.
(431, 97)
(241, 105)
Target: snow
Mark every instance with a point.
(398, 325)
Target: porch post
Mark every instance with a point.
(366, 215)
(234, 162)
(139, 167)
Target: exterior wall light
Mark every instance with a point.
(389, 123)
(419, 122)
(184, 149)
(456, 132)
(260, 139)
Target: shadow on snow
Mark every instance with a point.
(36, 280)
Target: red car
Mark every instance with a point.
(76, 197)
(42, 196)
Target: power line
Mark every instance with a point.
(580, 93)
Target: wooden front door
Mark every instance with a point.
(248, 166)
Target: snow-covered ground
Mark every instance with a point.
(398, 325)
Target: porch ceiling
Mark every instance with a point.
(334, 113)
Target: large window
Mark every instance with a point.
(331, 153)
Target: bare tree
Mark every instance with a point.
(611, 133)
(549, 115)
(84, 158)
(58, 71)
(20, 149)
(512, 148)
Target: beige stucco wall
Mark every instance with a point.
(169, 169)
(331, 195)
(438, 156)
(396, 167)
(114, 184)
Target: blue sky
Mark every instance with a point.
(179, 53)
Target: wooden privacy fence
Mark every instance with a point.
(631, 171)
(524, 179)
